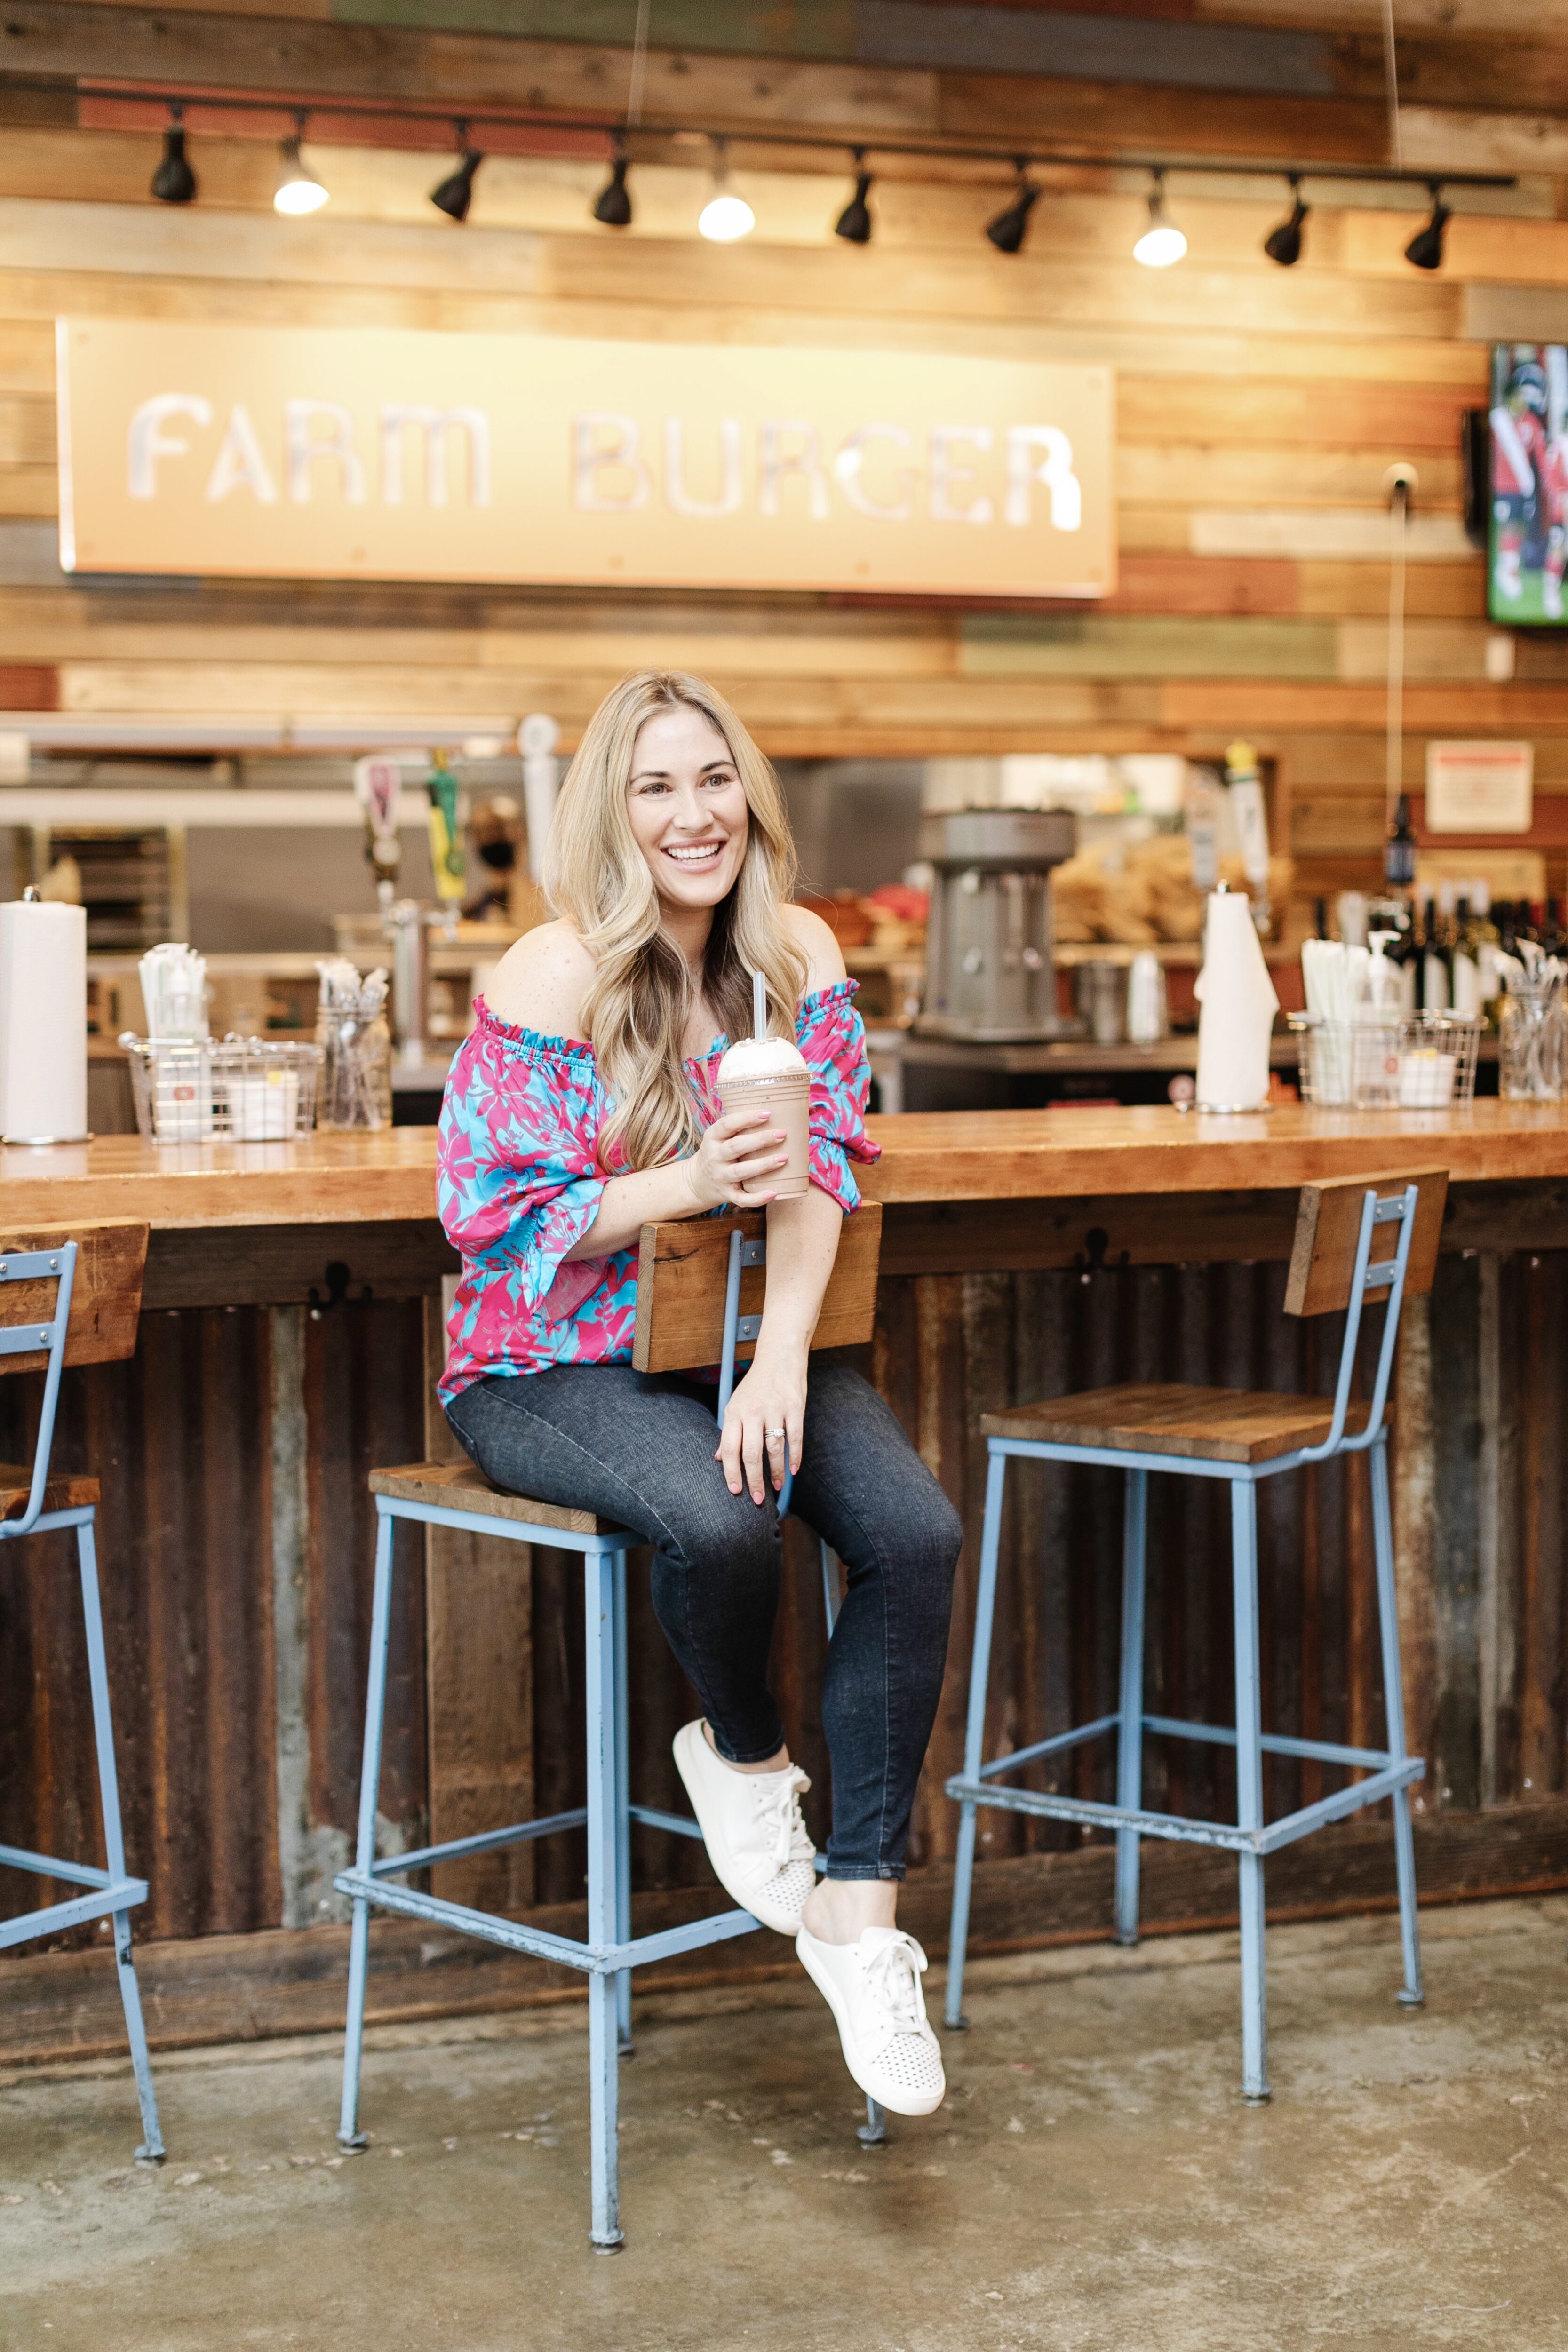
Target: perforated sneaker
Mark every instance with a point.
(873, 1988)
(751, 1827)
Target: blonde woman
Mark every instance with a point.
(582, 1107)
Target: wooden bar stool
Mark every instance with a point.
(79, 1297)
(700, 1298)
(1352, 1239)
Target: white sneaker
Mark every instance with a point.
(751, 1827)
(873, 1988)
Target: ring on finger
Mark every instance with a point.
(774, 1437)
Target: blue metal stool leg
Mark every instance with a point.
(598, 1626)
(1410, 1992)
(829, 1586)
(151, 2148)
(1129, 1730)
(1249, 1785)
(349, 2133)
(974, 1737)
(623, 1809)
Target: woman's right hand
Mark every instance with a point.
(741, 1148)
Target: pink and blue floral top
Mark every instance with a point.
(518, 1177)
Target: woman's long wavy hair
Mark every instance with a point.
(595, 875)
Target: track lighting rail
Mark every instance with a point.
(1008, 157)
(727, 215)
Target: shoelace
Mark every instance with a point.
(780, 1813)
(892, 1976)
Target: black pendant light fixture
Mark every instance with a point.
(854, 223)
(298, 192)
(455, 193)
(174, 182)
(613, 206)
(1283, 245)
(1006, 231)
(1425, 250)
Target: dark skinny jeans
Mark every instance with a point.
(639, 1448)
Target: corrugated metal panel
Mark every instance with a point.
(224, 1700)
(181, 1439)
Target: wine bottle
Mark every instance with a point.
(1505, 914)
(1463, 975)
(1436, 995)
(1488, 940)
(1399, 849)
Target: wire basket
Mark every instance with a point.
(243, 1090)
(1437, 1057)
(1424, 1063)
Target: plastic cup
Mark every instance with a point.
(786, 1099)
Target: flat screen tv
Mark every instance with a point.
(1527, 542)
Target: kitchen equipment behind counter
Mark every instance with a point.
(990, 965)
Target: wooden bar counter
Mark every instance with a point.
(291, 1333)
(936, 1156)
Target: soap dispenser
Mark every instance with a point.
(1378, 1011)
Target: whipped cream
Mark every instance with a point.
(769, 1057)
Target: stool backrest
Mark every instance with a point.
(1356, 1236)
(1328, 1228)
(66, 1296)
(684, 1279)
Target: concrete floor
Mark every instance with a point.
(1094, 2183)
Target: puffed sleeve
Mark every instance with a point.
(832, 1037)
(516, 1180)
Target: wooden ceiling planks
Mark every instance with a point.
(1307, 89)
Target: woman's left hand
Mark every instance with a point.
(764, 1423)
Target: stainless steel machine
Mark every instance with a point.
(990, 973)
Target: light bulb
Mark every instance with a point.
(1159, 245)
(725, 217)
(298, 190)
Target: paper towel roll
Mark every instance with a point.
(43, 1022)
(1239, 1003)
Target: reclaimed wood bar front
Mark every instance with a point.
(290, 1331)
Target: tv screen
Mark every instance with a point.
(1528, 542)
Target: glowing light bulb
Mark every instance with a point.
(725, 217)
(298, 190)
(1160, 244)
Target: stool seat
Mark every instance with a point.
(1173, 1417)
(460, 1486)
(61, 1494)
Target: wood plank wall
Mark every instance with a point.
(1259, 411)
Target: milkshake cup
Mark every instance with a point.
(769, 1074)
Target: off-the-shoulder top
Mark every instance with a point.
(518, 1177)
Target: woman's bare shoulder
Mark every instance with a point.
(812, 936)
(541, 980)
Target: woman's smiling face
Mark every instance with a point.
(687, 808)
